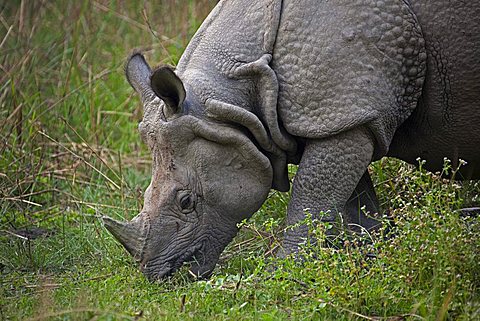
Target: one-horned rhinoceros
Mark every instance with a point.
(328, 85)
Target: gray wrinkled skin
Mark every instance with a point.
(328, 85)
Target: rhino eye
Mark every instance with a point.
(186, 201)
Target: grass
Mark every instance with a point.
(70, 152)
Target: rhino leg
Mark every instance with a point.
(328, 173)
(363, 206)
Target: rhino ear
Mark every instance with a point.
(169, 88)
(138, 72)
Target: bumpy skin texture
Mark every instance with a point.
(330, 168)
(328, 85)
(366, 68)
(446, 122)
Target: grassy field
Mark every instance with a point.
(70, 152)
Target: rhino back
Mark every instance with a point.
(446, 122)
(341, 64)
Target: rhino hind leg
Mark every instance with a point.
(328, 174)
(362, 207)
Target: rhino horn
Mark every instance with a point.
(129, 234)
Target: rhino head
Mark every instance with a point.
(207, 177)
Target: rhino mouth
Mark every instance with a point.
(195, 256)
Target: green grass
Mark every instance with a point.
(70, 152)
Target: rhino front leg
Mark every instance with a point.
(328, 174)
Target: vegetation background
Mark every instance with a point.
(70, 152)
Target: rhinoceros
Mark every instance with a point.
(328, 85)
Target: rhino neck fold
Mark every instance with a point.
(229, 113)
